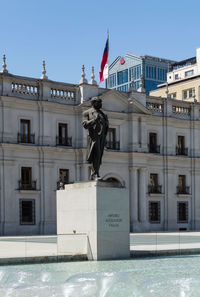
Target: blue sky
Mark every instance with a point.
(68, 34)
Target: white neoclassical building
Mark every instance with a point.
(153, 148)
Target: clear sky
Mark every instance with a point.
(68, 34)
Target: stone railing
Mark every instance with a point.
(24, 89)
(181, 110)
(63, 94)
(155, 107)
(32, 88)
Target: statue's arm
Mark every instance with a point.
(86, 122)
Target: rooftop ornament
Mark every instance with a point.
(83, 79)
(93, 81)
(4, 70)
(44, 76)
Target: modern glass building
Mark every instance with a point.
(154, 71)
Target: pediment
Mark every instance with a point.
(118, 102)
(115, 101)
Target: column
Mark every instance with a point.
(142, 195)
(78, 172)
(133, 188)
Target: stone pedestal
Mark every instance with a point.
(101, 211)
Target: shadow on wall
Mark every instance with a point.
(114, 178)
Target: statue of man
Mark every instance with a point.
(96, 122)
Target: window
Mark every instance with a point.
(153, 179)
(181, 149)
(181, 188)
(24, 136)
(172, 95)
(136, 70)
(153, 147)
(181, 181)
(176, 76)
(63, 138)
(123, 88)
(64, 176)
(26, 177)
(182, 212)
(181, 142)
(111, 142)
(122, 77)
(112, 80)
(153, 186)
(189, 73)
(185, 94)
(189, 93)
(27, 211)
(154, 212)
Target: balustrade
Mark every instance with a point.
(23, 138)
(155, 189)
(180, 110)
(113, 145)
(20, 88)
(155, 107)
(183, 190)
(64, 141)
(23, 185)
(63, 94)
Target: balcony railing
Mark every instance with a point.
(65, 141)
(155, 149)
(23, 138)
(23, 185)
(183, 190)
(113, 145)
(155, 189)
(181, 151)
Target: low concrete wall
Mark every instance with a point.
(26, 249)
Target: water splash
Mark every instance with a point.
(167, 277)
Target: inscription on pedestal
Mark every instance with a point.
(113, 219)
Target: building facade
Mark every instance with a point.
(183, 81)
(153, 148)
(152, 70)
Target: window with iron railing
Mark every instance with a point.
(181, 149)
(24, 136)
(182, 188)
(111, 142)
(26, 182)
(63, 178)
(62, 138)
(154, 187)
(153, 147)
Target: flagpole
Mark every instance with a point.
(108, 57)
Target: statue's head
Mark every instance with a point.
(96, 102)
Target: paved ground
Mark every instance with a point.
(164, 240)
(140, 243)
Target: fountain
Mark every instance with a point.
(146, 277)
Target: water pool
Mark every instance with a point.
(172, 276)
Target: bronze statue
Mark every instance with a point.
(96, 122)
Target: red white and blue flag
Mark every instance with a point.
(103, 74)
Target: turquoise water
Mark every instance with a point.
(172, 276)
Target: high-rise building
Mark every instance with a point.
(183, 80)
(148, 71)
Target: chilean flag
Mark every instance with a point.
(104, 63)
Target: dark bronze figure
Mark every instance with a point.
(96, 122)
